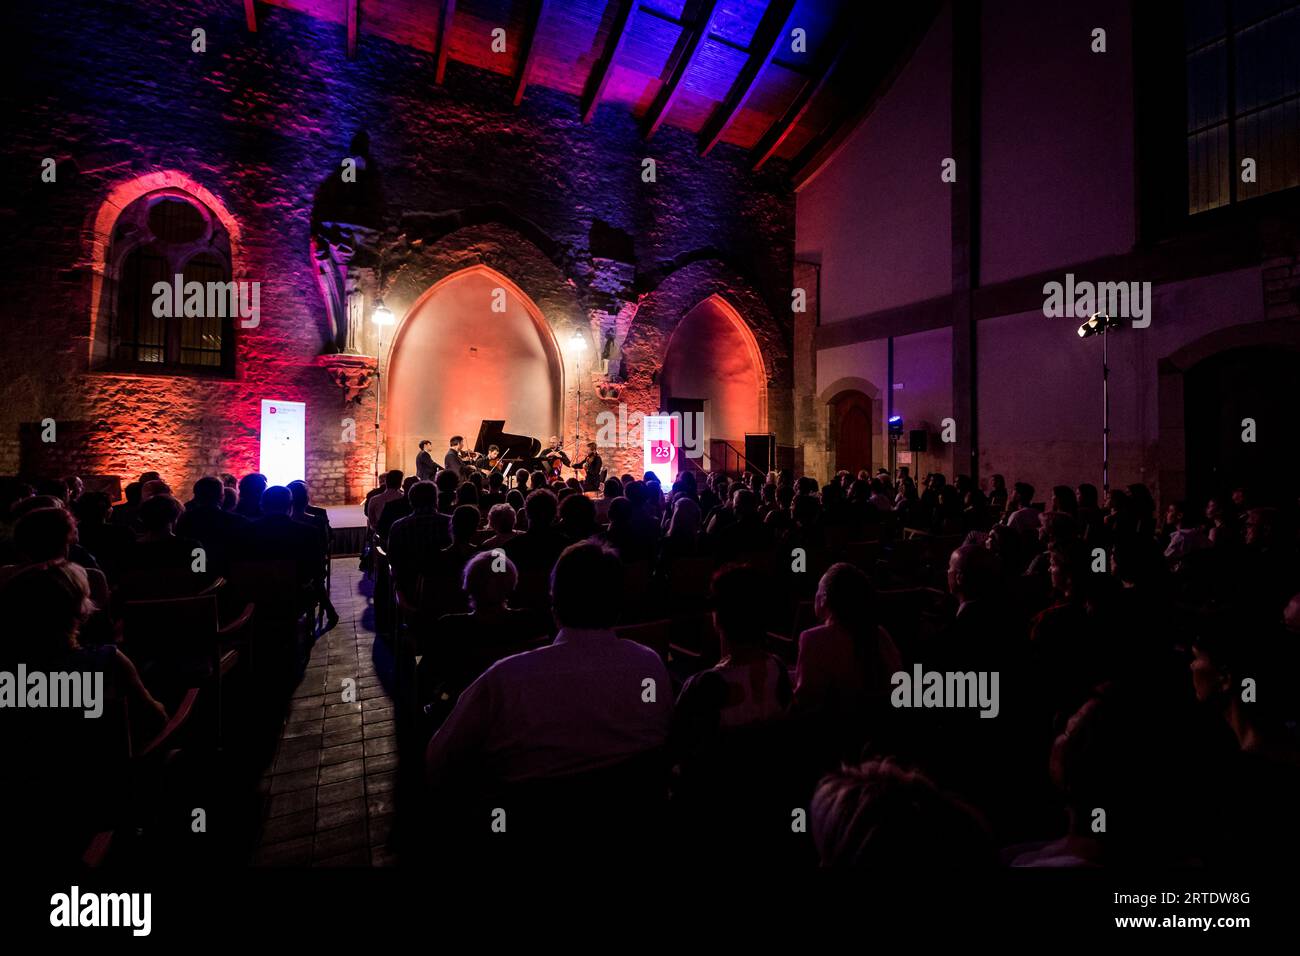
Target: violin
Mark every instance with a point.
(470, 457)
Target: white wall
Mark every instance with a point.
(877, 218)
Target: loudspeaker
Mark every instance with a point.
(760, 452)
(916, 439)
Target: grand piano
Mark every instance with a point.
(519, 450)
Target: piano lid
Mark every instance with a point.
(491, 432)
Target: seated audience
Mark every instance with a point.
(415, 541)
(589, 700)
(501, 522)
(845, 664)
(220, 532)
(251, 488)
(748, 685)
(108, 542)
(462, 646)
(277, 537)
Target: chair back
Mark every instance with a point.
(656, 635)
(173, 642)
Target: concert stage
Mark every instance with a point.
(349, 526)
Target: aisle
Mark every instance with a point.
(330, 787)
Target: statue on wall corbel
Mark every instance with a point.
(610, 380)
(356, 302)
(333, 251)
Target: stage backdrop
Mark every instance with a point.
(456, 361)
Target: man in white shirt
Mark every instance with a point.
(589, 700)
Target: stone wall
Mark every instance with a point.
(261, 122)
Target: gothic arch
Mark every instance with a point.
(436, 386)
(662, 310)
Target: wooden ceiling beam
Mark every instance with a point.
(600, 73)
(826, 144)
(814, 83)
(528, 48)
(688, 44)
(446, 16)
(771, 32)
(354, 15)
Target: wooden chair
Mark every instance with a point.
(656, 635)
(694, 644)
(178, 644)
(385, 611)
(863, 554)
(688, 582)
(159, 584)
(533, 592)
(281, 627)
(636, 588)
(786, 646)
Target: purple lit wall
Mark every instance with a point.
(1056, 153)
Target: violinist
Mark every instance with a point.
(454, 460)
(493, 460)
(591, 465)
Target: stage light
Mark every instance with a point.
(578, 343)
(1097, 323)
(383, 315)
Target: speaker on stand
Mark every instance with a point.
(760, 452)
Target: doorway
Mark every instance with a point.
(851, 419)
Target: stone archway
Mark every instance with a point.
(660, 312)
(713, 358)
(473, 346)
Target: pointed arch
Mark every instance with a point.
(453, 361)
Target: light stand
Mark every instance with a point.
(1099, 324)
(577, 345)
(382, 317)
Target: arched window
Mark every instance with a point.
(169, 237)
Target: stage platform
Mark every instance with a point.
(349, 526)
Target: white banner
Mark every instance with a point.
(284, 441)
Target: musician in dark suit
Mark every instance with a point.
(424, 464)
(593, 465)
(554, 457)
(452, 461)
